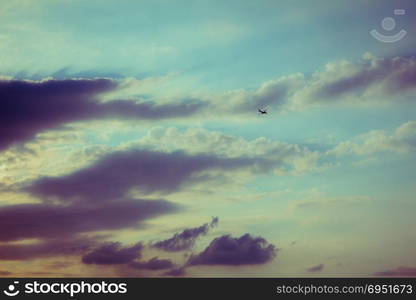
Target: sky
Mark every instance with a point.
(131, 144)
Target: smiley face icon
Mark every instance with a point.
(11, 290)
(389, 24)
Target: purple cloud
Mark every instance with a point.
(398, 75)
(29, 107)
(398, 272)
(113, 253)
(316, 269)
(226, 250)
(50, 221)
(45, 248)
(5, 273)
(114, 175)
(186, 239)
(176, 272)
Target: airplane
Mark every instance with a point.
(263, 111)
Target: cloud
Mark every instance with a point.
(274, 93)
(153, 264)
(226, 250)
(45, 248)
(401, 140)
(51, 221)
(50, 274)
(316, 269)
(59, 265)
(393, 74)
(176, 272)
(113, 253)
(214, 221)
(30, 107)
(370, 79)
(186, 239)
(114, 175)
(5, 273)
(398, 272)
(335, 202)
(284, 157)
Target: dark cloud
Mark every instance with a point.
(186, 239)
(176, 272)
(398, 272)
(112, 254)
(5, 273)
(226, 250)
(29, 107)
(48, 220)
(153, 264)
(214, 221)
(315, 269)
(45, 248)
(113, 176)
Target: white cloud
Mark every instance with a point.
(401, 140)
(369, 81)
(286, 157)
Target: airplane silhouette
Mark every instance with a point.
(263, 111)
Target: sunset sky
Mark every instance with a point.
(131, 143)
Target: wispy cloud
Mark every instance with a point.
(401, 140)
(398, 272)
(46, 248)
(184, 240)
(112, 254)
(315, 269)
